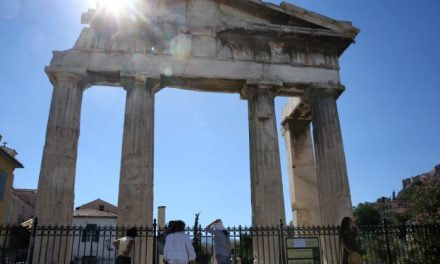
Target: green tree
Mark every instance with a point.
(202, 256)
(366, 214)
(425, 201)
(245, 251)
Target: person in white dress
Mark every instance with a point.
(178, 248)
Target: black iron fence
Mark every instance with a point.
(388, 244)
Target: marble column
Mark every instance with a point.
(266, 182)
(303, 179)
(55, 195)
(333, 183)
(135, 203)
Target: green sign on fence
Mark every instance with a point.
(303, 250)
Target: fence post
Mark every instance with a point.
(155, 255)
(199, 234)
(281, 242)
(241, 243)
(30, 252)
(385, 225)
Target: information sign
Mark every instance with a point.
(303, 250)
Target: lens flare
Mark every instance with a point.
(113, 5)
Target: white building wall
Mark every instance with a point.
(92, 244)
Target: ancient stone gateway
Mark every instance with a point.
(255, 49)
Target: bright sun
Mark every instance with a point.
(113, 5)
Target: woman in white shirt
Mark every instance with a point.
(178, 247)
(124, 245)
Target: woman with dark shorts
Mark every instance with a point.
(124, 245)
(347, 236)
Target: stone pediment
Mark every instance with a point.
(292, 16)
(160, 23)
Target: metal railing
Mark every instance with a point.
(388, 244)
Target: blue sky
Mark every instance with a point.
(389, 113)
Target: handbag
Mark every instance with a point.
(354, 258)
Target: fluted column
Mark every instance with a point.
(303, 179)
(333, 183)
(55, 195)
(266, 183)
(56, 184)
(135, 203)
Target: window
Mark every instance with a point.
(101, 207)
(90, 233)
(3, 177)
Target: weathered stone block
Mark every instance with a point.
(241, 51)
(171, 11)
(224, 51)
(317, 59)
(230, 14)
(279, 52)
(180, 45)
(202, 12)
(298, 56)
(204, 46)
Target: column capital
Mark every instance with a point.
(294, 125)
(320, 91)
(60, 74)
(252, 86)
(302, 111)
(151, 82)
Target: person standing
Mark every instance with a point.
(124, 247)
(161, 238)
(348, 233)
(222, 246)
(178, 248)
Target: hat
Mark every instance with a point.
(354, 258)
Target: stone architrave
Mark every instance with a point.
(135, 202)
(303, 179)
(55, 196)
(266, 182)
(334, 190)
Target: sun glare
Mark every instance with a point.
(114, 5)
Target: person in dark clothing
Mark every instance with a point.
(348, 233)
